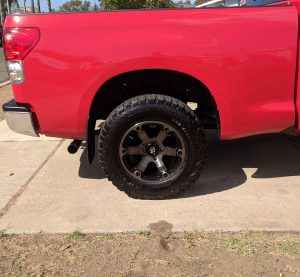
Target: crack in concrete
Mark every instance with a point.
(4, 84)
(15, 197)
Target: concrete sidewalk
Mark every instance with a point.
(249, 184)
(21, 157)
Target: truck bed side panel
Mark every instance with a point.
(245, 56)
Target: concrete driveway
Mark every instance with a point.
(249, 184)
(3, 72)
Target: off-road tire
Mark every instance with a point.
(160, 108)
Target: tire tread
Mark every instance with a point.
(147, 102)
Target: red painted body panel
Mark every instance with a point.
(245, 56)
(296, 3)
(297, 98)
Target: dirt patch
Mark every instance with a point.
(161, 227)
(183, 254)
(6, 94)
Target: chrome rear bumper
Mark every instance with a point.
(19, 119)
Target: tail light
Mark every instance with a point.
(18, 42)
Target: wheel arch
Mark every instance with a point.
(124, 86)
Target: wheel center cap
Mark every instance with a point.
(152, 149)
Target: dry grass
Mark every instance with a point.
(152, 253)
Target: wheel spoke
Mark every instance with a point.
(169, 151)
(144, 137)
(143, 164)
(160, 164)
(135, 150)
(152, 151)
(161, 137)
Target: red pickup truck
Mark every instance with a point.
(140, 71)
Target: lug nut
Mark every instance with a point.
(138, 129)
(165, 175)
(179, 152)
(138, 174)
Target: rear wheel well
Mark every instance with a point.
(166, 82)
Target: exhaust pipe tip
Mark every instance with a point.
(74, 146)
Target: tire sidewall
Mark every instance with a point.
(128, 117)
